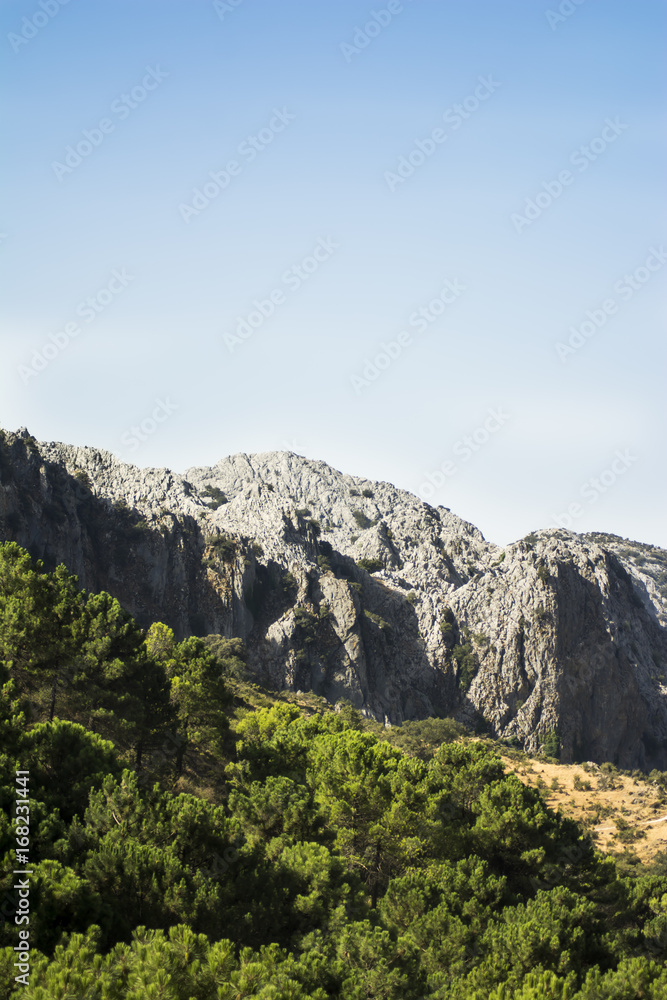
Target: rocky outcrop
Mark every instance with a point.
(356, 589)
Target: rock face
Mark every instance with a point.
(356, 589)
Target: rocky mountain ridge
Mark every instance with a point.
(356, 589)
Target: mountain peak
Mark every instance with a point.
(355, 588)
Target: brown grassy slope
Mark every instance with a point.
(618, 810)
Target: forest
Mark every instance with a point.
(192, 837)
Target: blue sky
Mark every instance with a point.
(508, 279)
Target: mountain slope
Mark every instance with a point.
(357, 589)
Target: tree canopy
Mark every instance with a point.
(189, 843)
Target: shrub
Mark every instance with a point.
(303, 512)
(540, 614)
(304, 617)
(448, 622)
(626, 833)
(307, 622)
(367, 493)
(543, 574)
(216, 495)
(607, 782)
(370, 565)
(377, 620)
(354, 493)
(230, 653)
(223, 548)
(361, 519)
(315, 527)
(422, 739)
(468, 664)
(31, 445)
(82, 477)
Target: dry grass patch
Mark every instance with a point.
(617, 809)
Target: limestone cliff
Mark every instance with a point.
(356, 589)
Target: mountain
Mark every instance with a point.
(355, 589)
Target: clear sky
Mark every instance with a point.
(421, 241)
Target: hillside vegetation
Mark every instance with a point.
(194, 837)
